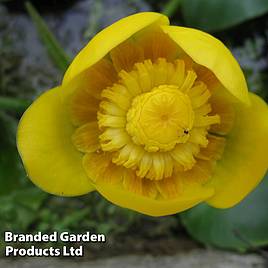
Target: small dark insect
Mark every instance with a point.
(185, 131)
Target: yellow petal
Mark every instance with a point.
(111, 121)
(83, 107)
(86, 138)
(199, 174)
(109, 38)
(154, 207)
(138, 185)
(44, 143)
(86, 91)
(133, 183)
(214, 149)
(198, 135)
(157, 44)
(122, 187)
(170, 187)
(244, 162)
(148, 188)
(209, 52)
(183, 153)
(206, 76)
(99, 76)
(222, 103)
(126, 55)
(95, 165)
(100, 169)
(113, 139)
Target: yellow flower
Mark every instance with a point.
(156, 118)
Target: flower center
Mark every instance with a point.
(160, 119)
(153, 121)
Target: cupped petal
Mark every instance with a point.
(244, 161)
(155, 207)
(157, 44)
(83, 107)
(86, 137)
(109, 38)
(45, 146)
(122, 187)
(222, 103)
(211, 53)
(125, 55)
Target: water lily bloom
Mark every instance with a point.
(156, 118)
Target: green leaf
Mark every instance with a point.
(171, 7)
(18, 209)
(242, 227)
(215, 15)
(73, 219)
(19, 200)
(30, 197)
(13, 104)
(54, 49)
(11, 171)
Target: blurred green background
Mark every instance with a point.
(35, 48)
